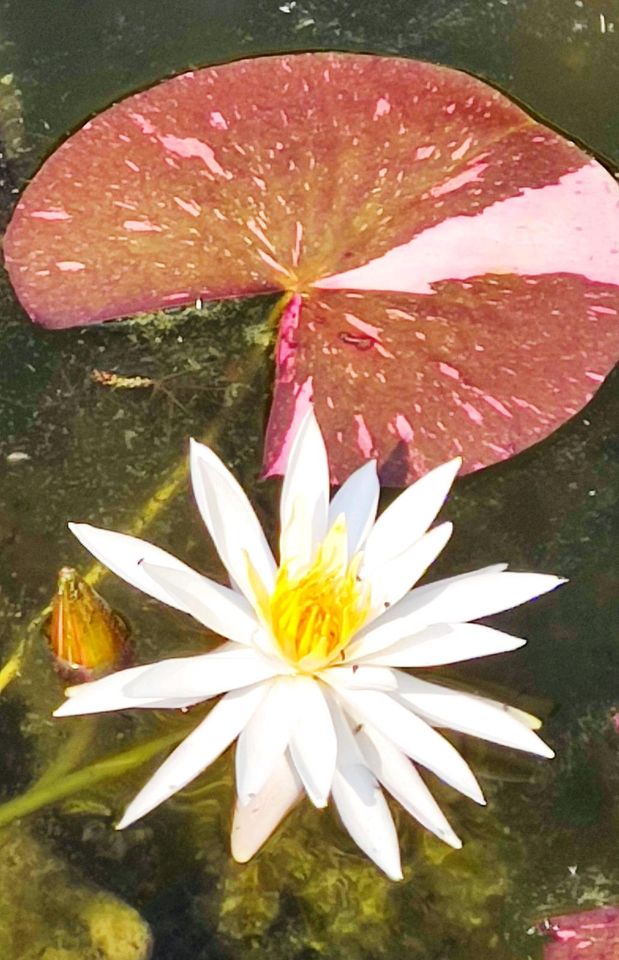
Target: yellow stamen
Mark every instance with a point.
(313, 614)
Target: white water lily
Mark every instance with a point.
(308, 678)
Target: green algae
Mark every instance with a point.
(48, 913)
(310, 889)
(12, 132)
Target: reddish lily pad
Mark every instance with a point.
(454, 264)
(592, 934)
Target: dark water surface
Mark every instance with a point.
(546, 844)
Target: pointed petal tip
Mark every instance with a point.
(241, 849)
(450, 467)
(127, 819)
(310, 414)
(201, 451)
(551, 583)
(478, 796)
(67, 709)
(239, 856)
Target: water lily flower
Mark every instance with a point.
(310, 677)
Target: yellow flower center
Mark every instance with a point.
(314, 614)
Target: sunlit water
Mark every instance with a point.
(546, 842)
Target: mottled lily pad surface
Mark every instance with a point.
(593, 934)
(454, 264)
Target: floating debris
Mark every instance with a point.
(85, 635)
(116, 381)
(18, 456)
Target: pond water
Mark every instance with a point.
(71, 448)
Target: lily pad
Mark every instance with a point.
(454, 264)
(593, 934)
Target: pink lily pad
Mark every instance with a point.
(454, 264)
(591, 935)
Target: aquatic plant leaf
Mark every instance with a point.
(593, 934)
(454, 264)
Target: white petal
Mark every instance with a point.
(254, 822)
(360, 677)
(305, 495)
(446, 643)
(265, 738)
(313, 745)
(217, 607)
(229, 667)
(108, 693)
(357, 499)
(78, 708)
(398, 775)
(361, 804)
(203, 745)
(123, 555)
(491, 568)
(230, 520)
(470, 714)
(479, 596)
(448, 601)
(409, 516)
(391, 581)
(530, 721)
(414, 737)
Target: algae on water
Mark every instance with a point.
(49, 914)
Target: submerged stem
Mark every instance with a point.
(70, 753)
(46, 791)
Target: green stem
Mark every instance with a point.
(43, 794)
(70, 753)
